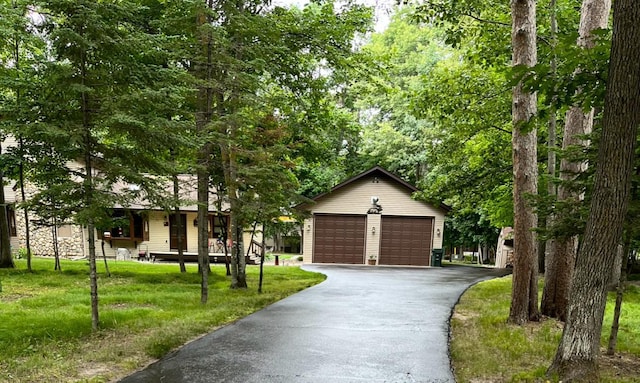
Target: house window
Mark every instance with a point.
(11, 216)
(214, 222)
(126, 225)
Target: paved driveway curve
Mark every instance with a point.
(363, 324)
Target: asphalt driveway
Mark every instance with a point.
(363, 324)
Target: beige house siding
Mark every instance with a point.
(192, 233)
(356, 198)
(307, 244)
(158, 233)
(159, 237)
(9, 194)
(373, 236)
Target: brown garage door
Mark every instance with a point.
(339, 239)
(405, 241)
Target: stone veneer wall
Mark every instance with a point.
(42, 237)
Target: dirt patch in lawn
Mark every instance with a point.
(9, 298)
(620, 365)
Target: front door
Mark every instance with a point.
(173, 229)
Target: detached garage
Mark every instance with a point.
(371, 218)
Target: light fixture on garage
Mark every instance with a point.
(438, 233)
(309, 227)
(373, 229)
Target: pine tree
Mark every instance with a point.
(524, 298)
(576, 357)
(98, 109)
(594, 15)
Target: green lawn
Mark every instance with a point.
(485, 348)
(145, 311)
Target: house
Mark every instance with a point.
(151, 231)
(372, 217)
(139, 230)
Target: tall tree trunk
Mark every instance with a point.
(224, 233)
(242, 260)
(548, 249)
(524, 297)
(615, 324)
(104, 257)
(238, 264)
(594, 15)
(27, 235)
(203, 176)
(89, 191)
(6, 260)
(203, 118)
(56, 245)
(542, 247)
(203, 235)
(93, 272)
(27, 230)
(576, 357)
(262, 254)
(559, 267)
(179, 223)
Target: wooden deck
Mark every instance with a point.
(172, 256)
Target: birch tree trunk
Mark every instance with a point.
(524, 296)
(559, 268)
(576, 357)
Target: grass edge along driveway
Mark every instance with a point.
(484, 348)
(146, 310)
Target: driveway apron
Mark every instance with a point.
(363, 324)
